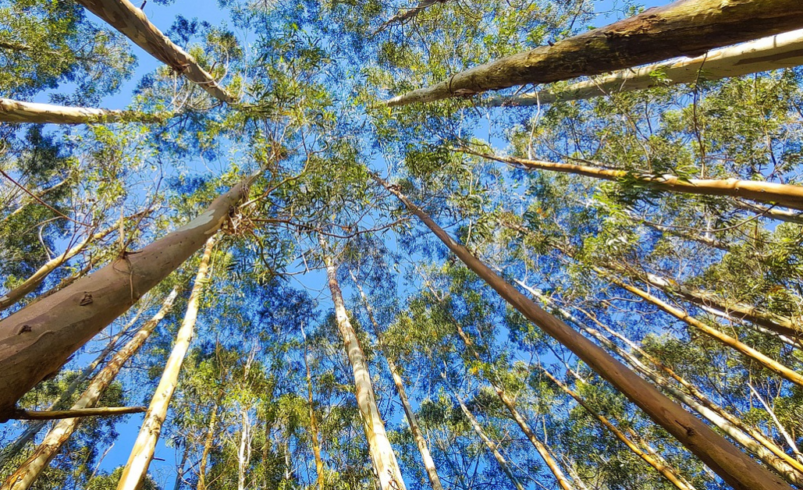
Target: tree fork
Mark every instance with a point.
(682, 28)
(129, 20)
(37, 340)
(735, 467)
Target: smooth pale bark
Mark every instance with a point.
(732, 419)
(407, 14)
(37, 340)
(658, 463)
(766, 54)
(412, 420)
(787, 195)
(382, 455)
(34, 427)
(682, 28)
(129, 20)
(542, 450)
(727, 340)
(141, 455)
(15, 111)
(65, 282)
(503, 464)
(30, 284)
(771, 212)
(208, 441)
(313, 424)
(29, 471)
(735, 467)
(74, 413)
(244, 450)
(771, 321)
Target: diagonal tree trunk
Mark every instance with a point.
(37, 340)
(658, 463)
(30, 284)
(782, 194)
(142, 453)
(14, 111)
(412, 420)
(407, 14)
(682, 28)
(771, 212)
(735, 467)
(30, 470)
(769, 53)
(129, 20)
(729, 341)
(382, 456)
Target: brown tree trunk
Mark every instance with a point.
(15, 111)
(735, 467)
(30, 470)
(208, 441)
(766, 54)
(658, 463)
(503, 464)
(682, 28)
(130, 21)
(382, 456)
(727, 340)
(37, 340)
(412, 420)
(782, 194)
(142, 453)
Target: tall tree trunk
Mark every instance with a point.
(727, 340)
(542, 450)
(34, 427)
(209, 441)
(787, 195)
(37, 340)
(30, 470)
(769, 53)
(412, 420)
(19, 292)
(503, 464)
(735, 467)
(15, 111)
(657, 462)
(244, 450)
(142, 453)
(313, 422)
(130, 21)
(382, 456)
(685, 27)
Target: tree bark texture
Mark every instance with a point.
(14, 111)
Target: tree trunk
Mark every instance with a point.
(412, 420)
(382, 456)
(142, 453)
(660, 465)
(75, 413)
(560, 477)
(682, 28)
(208, 441)
(771, 212)
(15, 111)
(244, 451)
(769, 53)
(407, 14)
(30, 470)
(782, 194)
(34, 427)
(37, 340)
(130, 21)
(503, 464)
(19, 292)
(727, 340)
(313, 423)
(735, 467)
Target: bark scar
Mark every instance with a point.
(86, 300)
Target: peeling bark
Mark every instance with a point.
(682, 28)
(735, 467)
(766, 54)
(142, 453)
(37, 340)
(14, 111)
(30, 470)
(130, 21)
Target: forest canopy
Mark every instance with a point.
(401, 244)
